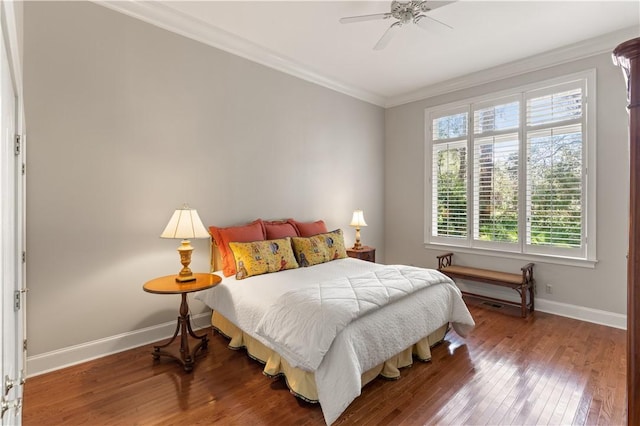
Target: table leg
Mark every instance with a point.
(157, 349)
(186, 358)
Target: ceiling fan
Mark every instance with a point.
(409, 12)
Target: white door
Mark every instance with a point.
(11, 247)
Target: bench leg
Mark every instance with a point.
(531, 297)
(523, 298)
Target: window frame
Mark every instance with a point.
(586, 255)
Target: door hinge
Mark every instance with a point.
(24, 169)
(8, 404)
(18, 145)
(16, 300)
(24, 256)
(8, 384)
(24, 347)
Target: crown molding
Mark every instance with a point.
(162, 15)
(570, 53)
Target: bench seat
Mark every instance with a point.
(523, 283)
(501, 277)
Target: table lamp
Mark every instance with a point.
(184, 224)
(357, 221)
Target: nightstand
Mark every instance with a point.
(168, 285)
(364, 253)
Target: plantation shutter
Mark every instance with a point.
(555, 179)
(495, 173)
(449, 176)
(450, 192)
(495, 190)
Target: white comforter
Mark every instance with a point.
(363, 343)
(303, 323)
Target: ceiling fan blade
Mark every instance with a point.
(351, 19)
(424, 24)
(387, 36)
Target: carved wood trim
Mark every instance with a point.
(627, 56)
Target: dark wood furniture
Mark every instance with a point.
(522, 283)
(168, 285)
(363, 253)
(627, 55)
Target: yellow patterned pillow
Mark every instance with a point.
(319, 248)
(261, 257)
(310, 250)
(334, 241)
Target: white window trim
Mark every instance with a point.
(529, 257)
(589, 140)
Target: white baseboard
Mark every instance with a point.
(596, 316)
(66, 357)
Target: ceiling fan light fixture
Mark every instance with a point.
(405, 13)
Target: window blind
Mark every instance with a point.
(554, 190)
(495, 188)
(554, 107)
(449, 202)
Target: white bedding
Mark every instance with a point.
(303, 323)
(364, 343)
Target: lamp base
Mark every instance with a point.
(185, 275)
(187, 279)
(357, 245)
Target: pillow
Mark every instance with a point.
(334, 241)
(319, 248)
(310, 250)
(279, 229)
(307, 229)
(223, 236)
(261, 257)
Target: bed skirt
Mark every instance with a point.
(302, 383)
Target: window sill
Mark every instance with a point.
(540, 258)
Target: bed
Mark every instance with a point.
(333, 326)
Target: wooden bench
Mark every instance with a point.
(522, 283)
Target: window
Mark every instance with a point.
(450, 175)
(512, 172)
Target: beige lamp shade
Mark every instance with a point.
(185, 224)
(358, 219)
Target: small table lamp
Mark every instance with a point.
(357, 221)
(185, 223)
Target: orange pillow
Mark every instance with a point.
(253, 231)
(308, 229)
(279, 229)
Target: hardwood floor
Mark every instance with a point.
(542, 370)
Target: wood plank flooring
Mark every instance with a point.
(542, 370)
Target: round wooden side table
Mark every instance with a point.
(168, 285)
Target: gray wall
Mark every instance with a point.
(602, 288)
(126, 122)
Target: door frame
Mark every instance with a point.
(14, 239)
